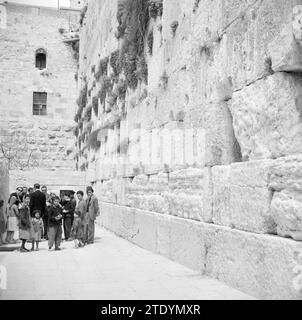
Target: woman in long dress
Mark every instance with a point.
(12, 214)
(2, 222)
(25, 225)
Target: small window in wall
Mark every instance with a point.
(41, 59)
(39, 104)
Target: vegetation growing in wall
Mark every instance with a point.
(196, 5)
(174, 26)
(76, 50)
(88, 112)
(102, 68)
(121, 89)
(155, 8)
(142, 69)
(76, 131)
(133, 19)
(81, 102)
(95, 105)
(163, 81)
(93, 140)
(89, 126)
(83, 13)
(150, 40)
(106, 87)
(115, 62)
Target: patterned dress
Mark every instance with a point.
(38, 228)
(12, 220)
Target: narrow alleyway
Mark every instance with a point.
(112, 268)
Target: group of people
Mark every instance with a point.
(38, 215)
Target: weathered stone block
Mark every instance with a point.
(285, 52)
(222, 195)
(267, 117)
(286, 207)
(251, 209)
(220, 142)
(242, 197)
(190, 194)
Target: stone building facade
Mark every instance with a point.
(38, 92)
(202, 161)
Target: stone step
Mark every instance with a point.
(265, 266)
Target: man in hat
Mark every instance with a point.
(92, 211)
(37, 201)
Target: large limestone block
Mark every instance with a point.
(286, 209)
(221, 195)
(251, 197)
(260, 265)
(186, 244)
(286, 52)
(286, 174)
(267, 117)
(190, 194)
(220, 141)
(241, 197)
(286, 206)
(250, 26)
(250, 209)
(146, 230)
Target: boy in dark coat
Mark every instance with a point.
(55, 224)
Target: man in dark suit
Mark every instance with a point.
(92, 211)
(38, 201)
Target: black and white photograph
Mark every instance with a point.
(150, 150)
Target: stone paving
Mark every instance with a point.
(112, 268)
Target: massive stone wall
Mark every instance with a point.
(214, 137)
(26, 30)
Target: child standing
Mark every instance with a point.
(77, 231)
(38, 229)
(55, 224)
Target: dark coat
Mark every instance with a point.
(37, 202)
(24, 222)
(53, 213)
(69, 207)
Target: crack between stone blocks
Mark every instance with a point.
(242, 13)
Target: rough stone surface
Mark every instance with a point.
(286, 183)
(268, 124)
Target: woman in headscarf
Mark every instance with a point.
(25, 226)
(12, 214)
(2, 221)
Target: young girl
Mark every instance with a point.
(12, 214)
(77, 231)
(38, 229)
